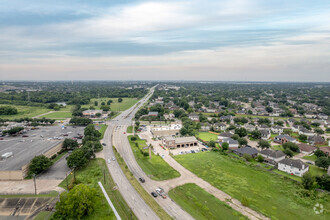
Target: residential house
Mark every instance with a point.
(263, 127)
(284, 138)
(219, 126)
(325, 150)
(271, 156)
(316, 139)
(226, 117)
(153, 114)
(241, 112)
(205, 127)
(224, 135)
(246, 150)
(305, 131)
(194, 117)
(277, 129)
(322, 116)
(310, 115)
(291, 121)
(265, 134)
(306, 148)
(232, 143)
(249, 127)
(293, 167)
(295, 128)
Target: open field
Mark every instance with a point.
(274, 196)
(156, 168)
(206, 136)
(202, 205)
(316, 171)
(25, 111)
(90, 175)
(58, 115)
(137, 186)
(115, 105)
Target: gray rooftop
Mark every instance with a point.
(294, 163)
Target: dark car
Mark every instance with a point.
(154, 194)
(142, 180)
(104, 144)
(24, 136)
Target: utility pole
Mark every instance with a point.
(150, 151)
(104, 176)
(66, 177)
(35, 184)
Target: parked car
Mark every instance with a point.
(113, 158)
(24, 136)
(104, 144)
(142, 180)
(154, 194)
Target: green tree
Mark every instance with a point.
(323, 182)
(225, 146)
(39, 164)
(302, 137)
(109, 102)
(269, 109)
(242, 141)
(211, 143)
(120, 100)
(69, 144)
(260, 158)
(241, 132)
(323, 162)
(307, 180)
(78, 202)
(77, 159)
(263, 144)
(247, 157)
(319, 153)
(319, 130)
(96, 103)
(288, 152)
(292, 146)
(256, 134)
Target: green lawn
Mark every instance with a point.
(43, 215)
(103, 129)
(268, 193)
(25, 111)
(58, 115)
(277, 147)
(115, 105)
(130, 129)
(316, 171)
(137, 186)
(206, 136)
(155, 167)
(312, 158)
(202, 205)
(90, 175)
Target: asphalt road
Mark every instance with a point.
(56, 172)
(131, 196)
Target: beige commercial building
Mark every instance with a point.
(172, 142)
(164, 131)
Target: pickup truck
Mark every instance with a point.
(161, 192)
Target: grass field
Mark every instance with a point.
(58, 115)
(206, 136)
(268, 193)
(115, 105)
(103, 128)
(43, 215)
(312, 158)
(90, 175)
(316, 171)
(202, 205)
(144, 194)
(156, 168)
(25, 111)
(129, 129)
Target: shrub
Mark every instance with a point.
(245, 201)
(133, 138)
(247, 157)
(260, 158)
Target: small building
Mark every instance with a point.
(322, 116)
(263, 127)
(205, 127)
(305, 131)
(293, 167)
(325, 150)
(153, 114)
(316, 139)
(306, 148)
(277, 129)
(249, 127)
(193, 117)
(284, 138)
(172, 142)
(310, 115)
(271, 156)
(231, 142)
(91, 113)
(164, 131)
(246, 150)
(219, 126)
(265, 134)
(224, 135)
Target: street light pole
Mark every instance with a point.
(35, 184)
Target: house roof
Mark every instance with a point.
(181, 140)
(272, 153)
(225, 134)
(325, 149)
(315, 138)
(306, 147)
(246, 150)
(294, 163)
(230, 141)
(153, 113)
(289, 138)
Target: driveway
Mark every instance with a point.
(56, 172)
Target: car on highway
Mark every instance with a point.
(109, 161)
(24, 136)
(113, 158)
(154, 194)
(104, 144)
(1, 138)
(142, 180)
(124, 132)
(161, 192)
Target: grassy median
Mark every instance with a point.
(263, 191)
(156, 168)
(201, 204)
(144, 194)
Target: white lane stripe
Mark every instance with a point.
(109, 201)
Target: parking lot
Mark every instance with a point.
(34, 142)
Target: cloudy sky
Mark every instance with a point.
(246, 40)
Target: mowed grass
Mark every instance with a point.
(91, 175)
(156, 168)
(312, 157)
(129, 129)
(103, 128)
(25, 111)
(207, 136)
(202, 205)
(142, 192)
(268, 193)
(115, 105)
(58, 115)
(43, 215)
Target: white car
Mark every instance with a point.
(113, 158)
(109, 161)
